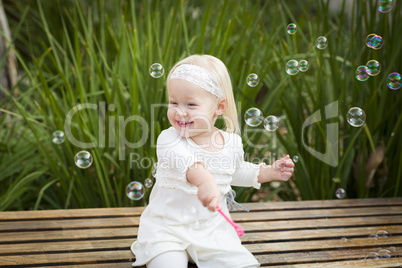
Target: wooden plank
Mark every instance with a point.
(295, 246)
(125, 222)
(69, 235)
(393, 262)
(334, 203)
(110, 233)
(136, 211)
(63, 246)
(69, 258)
(71, 213)
(320, 256)
(103, 223)
(322, 223)
(316, 214)
(262, 215)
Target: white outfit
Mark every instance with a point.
(175, 219)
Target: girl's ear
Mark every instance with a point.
(222, 107)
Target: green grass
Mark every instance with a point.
(99, 53)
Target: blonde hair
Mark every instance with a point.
(221, 76)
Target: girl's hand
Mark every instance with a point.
(282, 169)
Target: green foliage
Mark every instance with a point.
(98, 53)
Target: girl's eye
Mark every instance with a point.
(173, 103)
(191, 104)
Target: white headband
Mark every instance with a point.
(197, 75)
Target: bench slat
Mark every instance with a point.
(136, 211)
(317, 256)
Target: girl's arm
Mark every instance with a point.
(208, 191)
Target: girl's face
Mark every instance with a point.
(192, 110)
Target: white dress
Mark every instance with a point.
(175, 218)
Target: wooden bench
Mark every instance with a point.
(332, 233)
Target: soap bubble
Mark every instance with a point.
(253, 117)
(189, 213)
(382, 234)
(373, 67)
(58, 137)
(303, 65)
(295, 159)
(340, 193)
(394, 81)
(271, 123)
(322, 42)
(252, 80)
(384, 253)
(372, 256)
(374, 41)
(384, 6)
(356, 117)
(156, 70)
(292, 28)
(362, 73)
(148, 183)
(292, 67)
(83, 159)
(135, 190)
(154, 168)
(344, 240)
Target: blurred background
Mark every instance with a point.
(57, 55)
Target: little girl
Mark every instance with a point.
(197, 163)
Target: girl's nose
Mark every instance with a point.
(182, 112)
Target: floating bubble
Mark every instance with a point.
(374, 41)
(393, 249)
(189, 213)
(252, 80)
(344, 240)
(154, 168)
(356, 117)
(292, 67)
(382, 234)
(373, 67)
(384, 6)
(148, 183)
(362, 73)
(292, 28)
(340, 193)
(372, 256)
(303, 65)
(384, 253)
(394, 81)
(135, 190)
(295, 159)
(58, 137)
(83, 159)
(156, 70)
(271, 123)
(322, 42)
(373, 237)
(253, 117)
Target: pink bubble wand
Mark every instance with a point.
(238, 228)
